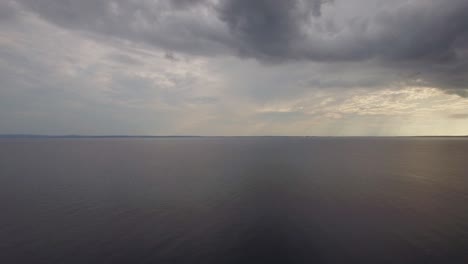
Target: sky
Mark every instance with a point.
(234, 67)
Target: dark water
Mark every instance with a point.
(234, 200)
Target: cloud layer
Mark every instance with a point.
(224, 65)
(426, 38)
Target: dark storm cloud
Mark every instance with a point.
(268, 29)
(282, 30)
(168, 24)
(429, 37)
(425, 31)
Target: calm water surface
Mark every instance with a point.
(234, 200)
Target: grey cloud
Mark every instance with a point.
(75, 14)
(8, 10)
(424, 32)
(168, 24)
(277, 29)
(264, 28)
(459, 92)
(426, 36)
(203, 100)
(186, 3)
(282, 30)
(124, 59)
(37, 98)
(170, 56)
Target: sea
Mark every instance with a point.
(234, 200)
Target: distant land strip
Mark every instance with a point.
(194, 136)
(90, 136)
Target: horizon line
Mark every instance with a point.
(197, 136)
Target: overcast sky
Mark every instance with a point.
(234, 67)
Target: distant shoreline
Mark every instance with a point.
(91, 136)
(6, 136)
